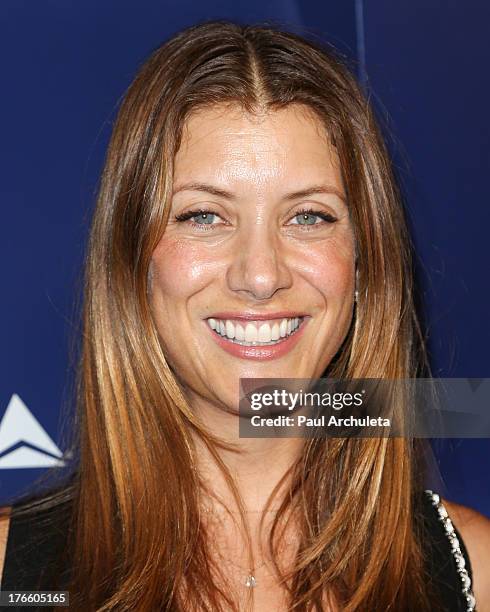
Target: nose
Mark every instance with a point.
(259, 266)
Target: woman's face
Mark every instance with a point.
(245, 282)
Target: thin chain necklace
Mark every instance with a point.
(250, 580)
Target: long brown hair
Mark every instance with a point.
(136, 534)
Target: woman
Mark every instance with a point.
(247, 225)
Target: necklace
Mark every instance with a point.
(250, 580)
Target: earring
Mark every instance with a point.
(149, 279)
(356, 292)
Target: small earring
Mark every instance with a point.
(149, 279)
(356, 292)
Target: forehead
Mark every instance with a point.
(227, 143)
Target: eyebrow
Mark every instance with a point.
(294, 195)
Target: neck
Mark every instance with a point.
(256, 465)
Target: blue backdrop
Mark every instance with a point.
(65, 66)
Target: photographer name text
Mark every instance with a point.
(321, 421)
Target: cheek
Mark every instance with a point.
(180, 268)
(329, 267)
(330, 276)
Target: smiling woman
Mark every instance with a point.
(260, 232)
(248, 225)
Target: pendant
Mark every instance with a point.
(250, 582)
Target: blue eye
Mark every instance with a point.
(306, 219)
(310, 217)
(197, 217)
(206, 218)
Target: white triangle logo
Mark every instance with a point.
(19, 425)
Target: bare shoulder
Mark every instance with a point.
(4, 530)
(474, 528)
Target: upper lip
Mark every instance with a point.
(257, 316)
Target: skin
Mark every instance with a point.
(474, 528)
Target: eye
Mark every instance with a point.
(309, 217)
(198, 217)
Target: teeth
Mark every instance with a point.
(239, 332)
(265, 332)
(283, 327)
(251, 334)
(255, 332)
(275, 335)
(230, 329)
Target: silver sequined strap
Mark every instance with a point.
(455, 548)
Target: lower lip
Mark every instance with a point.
(260, 353)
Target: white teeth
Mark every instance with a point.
(265, 332)
(283, 328)
(275, 335)
(255, 332)
(251, 334)
(239, 332)
(230, 329)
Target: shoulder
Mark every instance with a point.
(4, 530)
(33, 543)
(474, 528)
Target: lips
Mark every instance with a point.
(256, 316)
